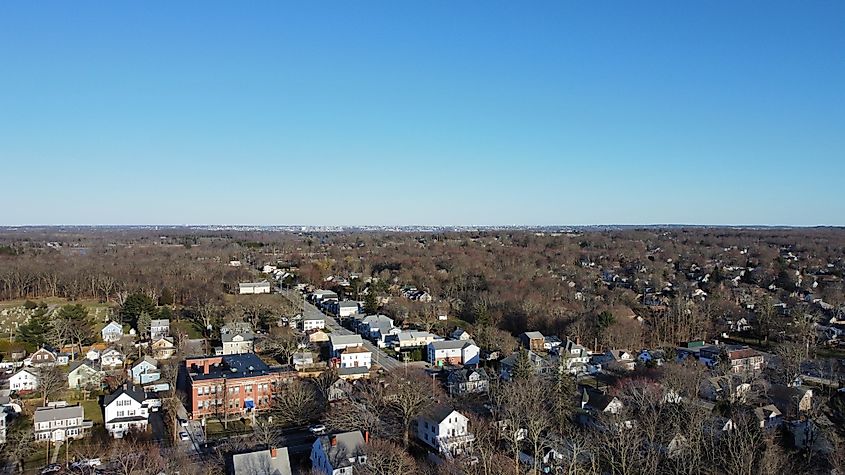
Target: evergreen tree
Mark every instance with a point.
(522, 368)
(134, 306)
(371, 303)
(35, 331)
(144, 321)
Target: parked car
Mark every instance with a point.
(184, 436)
(317, 429)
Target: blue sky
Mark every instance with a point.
(441, 112)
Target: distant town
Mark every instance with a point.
(488, 351)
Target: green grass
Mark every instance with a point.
(92, 409)
(36, 460)
(215, 429)
(189, 328)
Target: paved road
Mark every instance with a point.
(380, 358)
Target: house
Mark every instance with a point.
(768, 416)
(453, 352)
(237, 338)
(574, 357)
(231, 385)
(112, 332)
(467, 381)
(321, 296)
(551, 343)
(445, 430)
(534, 341)
(262, 287)
(145, 371)
(112, 358)
(163, 348)
(84, 374)
(59, 422)
(354, 357)
(351, 373)
(541, 365)
(347, 308)
(272, 461)
(408, 340)
(729, 388)
(460, 334)
(337, 454)
(318, 337)
(126, 409)
(376, 328)
(341, 342)
(791, 401)
(618, 359)
(339, 390)
(303, 359)
(744, 359)
(159, 328)
(24, 380)
(42, 358)
(313, 322)
(596, 401)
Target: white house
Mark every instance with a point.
(341, 342)
(313, 323)
(460, 334)
(347, 308)
(112, 332)
(159, 328)
(453, 352)
(145, 371)
(262, 287)
(112, 358)
(415, 339)
(272, 461)
(445, 430)
(24, 380)
(237, 338)
(58, 422)
(337, 454)
(355, 357)
(126, 409)
(574, 357)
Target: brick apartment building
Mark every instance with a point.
(231, 385)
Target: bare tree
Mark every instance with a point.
(50, 381)
(386, 458)
(295, 404)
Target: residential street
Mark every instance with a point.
(380, 358)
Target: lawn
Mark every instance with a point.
(92, 409)
(189, 328)
(215, 429)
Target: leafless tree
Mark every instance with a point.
(386, 458)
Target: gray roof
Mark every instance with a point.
(348, 304)
(260, 462)
(135, 392)
(346, 340)
(162, 322)
(450, 344)
(438, 413)
(534, 335)
(147, 359)
(349, 444)
(231, 330)
(353, 370)
(46, 414)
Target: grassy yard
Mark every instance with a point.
(189, 328)
(92, 409)
(215, 429)
(36, 460)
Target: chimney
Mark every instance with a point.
(273, 452)
(334, 441)
(366, 437)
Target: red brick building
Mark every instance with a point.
(231, 385)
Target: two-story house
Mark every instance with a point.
(445, 430)
(145, 371)
(453, 352)
(127, 409)
(237, 338)
(354, 357)
(24, 380)
(338, 454)
(112, 332)
(534, 341)
(342, 342)
(467, 381)
(58, 422)
(159, 328)
(42, 357)
(163, 348)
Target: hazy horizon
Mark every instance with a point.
(380, 112)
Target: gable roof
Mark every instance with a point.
(262, 461)
(348, 445)
(46, 414)
(131, 390)
(439, 413)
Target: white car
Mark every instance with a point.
(184, 436)
(317, 429)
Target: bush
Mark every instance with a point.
(30, 305)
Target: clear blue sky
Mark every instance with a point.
(436, 112)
